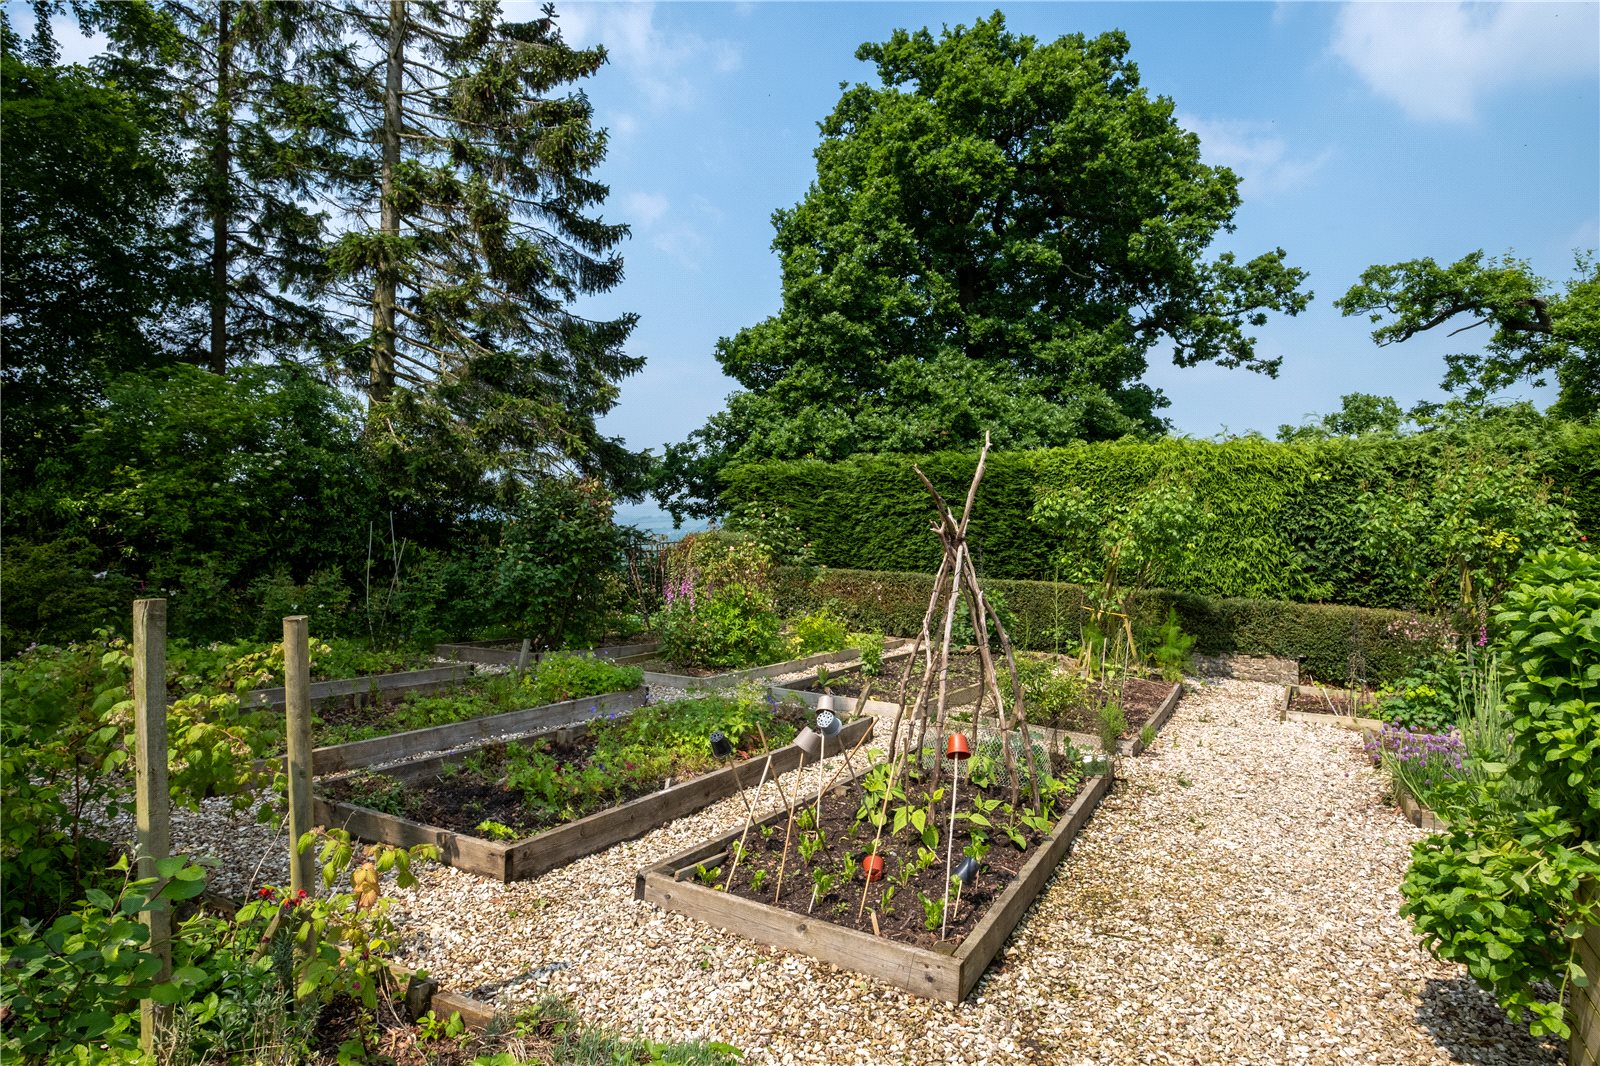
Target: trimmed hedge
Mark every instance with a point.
(1283, 522)
(1332, 643)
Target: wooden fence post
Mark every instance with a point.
(522, 656)
(1584, 1003)
(152, 802)
(297, 693)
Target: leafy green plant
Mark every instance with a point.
(563, 676)
(1171, 652)
(1147, 735)
(1508, 889)
(496, 830)
(431, 1027)
(817, 632)
(757, 879)
(729, 626)
(1113, 723)
(932, 910)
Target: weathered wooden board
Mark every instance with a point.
(1343, 721)
(502, 653)
(914, 969)
(1417, 814)
(433, 678)
(336, 758)
(1584, 1005)
(1136, 746)
(755, 673)
(522, 859)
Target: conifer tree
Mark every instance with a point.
(472, 228)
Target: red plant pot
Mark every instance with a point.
(958, 748)
(872, 866)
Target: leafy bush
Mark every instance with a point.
(1284, 518)
(1171, 650)
(1506, 890)
(730, 627)
(570, 676)
(817, 632)
(1335, 644)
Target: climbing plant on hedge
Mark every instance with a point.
(1508, 890)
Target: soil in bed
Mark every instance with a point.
(477, 789)
(1332, 703)
(1141, 699)
(886, 686)
(845, 841)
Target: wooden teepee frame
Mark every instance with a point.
(957, 581)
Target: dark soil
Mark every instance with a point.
(461, 798)
(1331, 703)
(964, 672)
(1140, 701)
(845, 838)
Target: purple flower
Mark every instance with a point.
(1483, 635)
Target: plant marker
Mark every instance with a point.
(956, 750)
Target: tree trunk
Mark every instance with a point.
(221, 183)
(386, 282)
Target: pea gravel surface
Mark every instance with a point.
(1234, 900)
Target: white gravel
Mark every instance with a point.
(1233, 901)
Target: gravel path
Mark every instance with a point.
(1233, 901)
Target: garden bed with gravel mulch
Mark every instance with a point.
(1141, 699)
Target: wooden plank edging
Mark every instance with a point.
(1418, 815)
(918, 970)
(526, 858)
(495, 652)
(373, 684)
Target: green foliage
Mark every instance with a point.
(1359, 413)
(75, 984)
(725, 627)
(1113, 724)
(1336, 644)
(630, 754)
(1171, 649)
(1551, 637)
(570, 676)
(1282, 519)
(1538, 332)
(1072, 241)
(565, 1041)
(1508, 889)
(817, 632)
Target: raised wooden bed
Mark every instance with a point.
(1343, 721)
(531, 856)
(1135, 746)
(397, 747)
(889, 682)
(917, 970)
(734, 678)
(1417, 814)
(504, 653)
(429, 680)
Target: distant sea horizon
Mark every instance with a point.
(652, 519)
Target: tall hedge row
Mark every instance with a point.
(1335, 644)
(1283, 522)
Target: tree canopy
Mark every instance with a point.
(1536, 330)
(999, 234)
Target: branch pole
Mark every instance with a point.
(152, 801)
(297, 700)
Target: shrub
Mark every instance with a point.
(1284, 520)
(1332, 643)
(572, 676)
(817, 632)
(731, 627)
(1509, 889)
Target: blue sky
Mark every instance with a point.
(1365, 133)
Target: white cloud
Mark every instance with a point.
(665, 229)
(1438, 60)
(647, 207)
(1255, 152)
(667, 66)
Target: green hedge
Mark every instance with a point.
(1333, 644)
(1282, 526)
